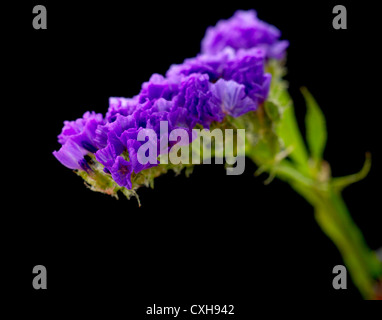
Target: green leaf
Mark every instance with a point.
(289, 132)
(316, 134)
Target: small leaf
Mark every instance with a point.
(316, 134)
(342, 182)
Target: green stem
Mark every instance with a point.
(334, 219)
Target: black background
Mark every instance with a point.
(210, 238)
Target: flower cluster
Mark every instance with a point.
(244, 31)
(228, 78)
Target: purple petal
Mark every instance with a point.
(71, 155)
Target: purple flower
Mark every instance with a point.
(83, 127)
(196, 97)
(111, 139)
(78, 139)
(72, 156)
(247, 68)
(120, 138)
(232, 99)
(227, 79)
(121, 172)
(244, 31)
(123, 106)
(212, 65)
(158, 87)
